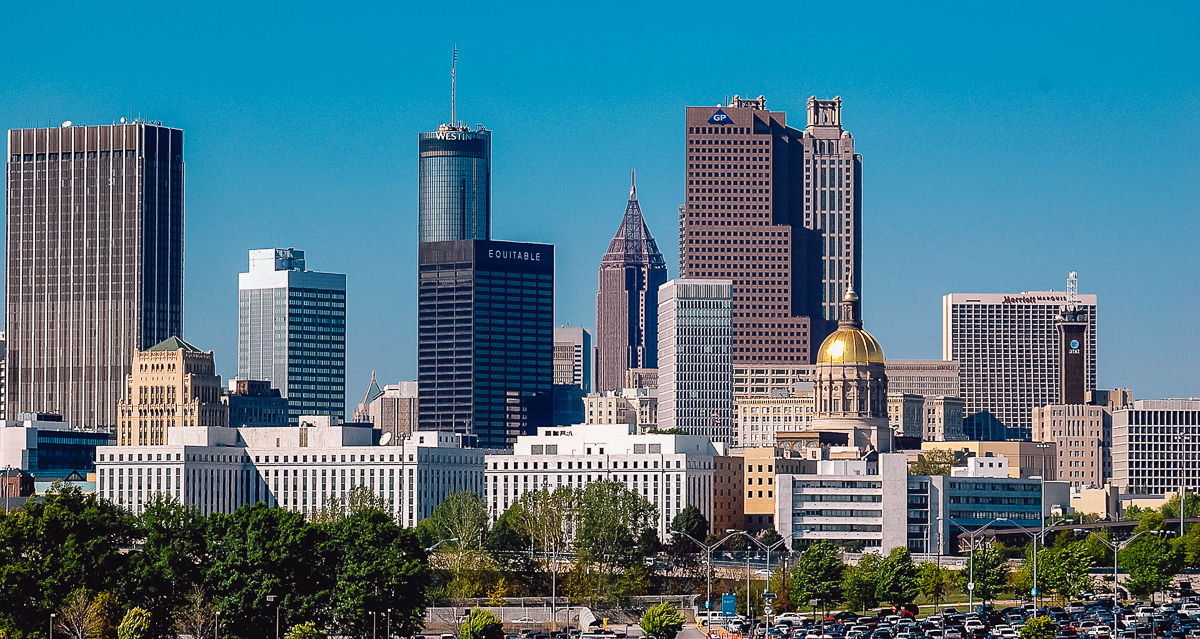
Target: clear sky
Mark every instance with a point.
(1004, 144)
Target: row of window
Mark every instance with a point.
(66, 155)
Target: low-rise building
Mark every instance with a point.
(671, 471)
(1082, 434)
(303, 469)
(760, 418)
(633, 406)
(875, 503)
(1026, 459)
(905, 413)
(943, 419)
(253, 402)
(772, 381)
(47, 448)
(762, 465)
(1156, 446)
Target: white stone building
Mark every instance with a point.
(298, 468)
(670, 471)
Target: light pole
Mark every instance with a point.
(52, 615)
(767, 588)
(389, 623)
(1036, 536)
(435, 546)
(271, 599)
(1116, 547)
(217, 625)
(708, 551)
(374, 633)
(971, 583)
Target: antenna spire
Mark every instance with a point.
(453, 64)
(633, 184)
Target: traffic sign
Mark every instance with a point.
(708, 604)
(971, 586)
(1033, 592)
(769, 595)
(728, 605)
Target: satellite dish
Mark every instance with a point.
(122, 120)
(383, 441)
(66, 124)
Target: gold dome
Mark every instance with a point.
(850, 346)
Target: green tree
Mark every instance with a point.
(171, 562)
(303, 631)
(662, 621)
(258, 551)
(378, 565)
(933, 462)
(769, 537)
(860, 583)
(991, 572)
(135, 625)
(756, 600)
(690, 521)
(463, 516)
(934, 581)
(509, 545)
(1063, 570)
(1152, 563)
(610, 515)
(1039, 628)
(897, 581)
(110, 613)
(817, 575)
(481, 624)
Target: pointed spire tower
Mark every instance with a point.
(627, 302)
(362, 414)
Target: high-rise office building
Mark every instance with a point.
(454, 184)
(777, 210)
(1007, 347)
(94, 262)
(292, 331)
(573, 357)
(173, 385)
(485, 337)
(1155, 448)
(695, 366)
(627, 302)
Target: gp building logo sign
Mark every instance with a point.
(720, 118)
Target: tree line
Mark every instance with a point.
(105, 573)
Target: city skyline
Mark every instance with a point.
(1010, 213)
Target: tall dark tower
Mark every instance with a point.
(94, 262)
(1072, 324)
(627, 302)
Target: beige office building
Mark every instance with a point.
(905, 413)
(174, 384)
(924, 377)
(762, 465)
(633, 406)
(760, 418)
(775, 381)
(1080, 432)
(943, 419)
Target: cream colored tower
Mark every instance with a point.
(172, 384)
(850, 383)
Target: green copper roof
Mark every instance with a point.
(173, 343)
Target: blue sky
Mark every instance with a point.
(1004, 144)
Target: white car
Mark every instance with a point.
(1189, 610)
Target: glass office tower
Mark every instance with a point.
(485, 338)
(292, 331)
(455, 184)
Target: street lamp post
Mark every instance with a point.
(708, 551)
(1036, 536)
(52, 615)
(971, 584)
(270, 599)
(767, 588)
(1116, 547)
(217, 625)
(389, 623)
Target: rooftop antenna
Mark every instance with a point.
(1072, 291)
(453, 64)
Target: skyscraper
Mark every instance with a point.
(454, 184)
(292, 331)
(778, 211)
(573, 357)
(627, 302)
(485, 337)
(93, 262)
(695, 369)
(1007, 347)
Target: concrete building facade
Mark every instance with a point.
(778, 211)
(632, 406)
(254, 402)
(695, 375)
(292, 331)
(1007, 347)
(173, 385)
(77, 310)
(672, 472)
(1156, 446)
(924, 377)
(631, 273)
(759, 419)
(1082, 435)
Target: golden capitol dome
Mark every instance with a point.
(850, 344)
